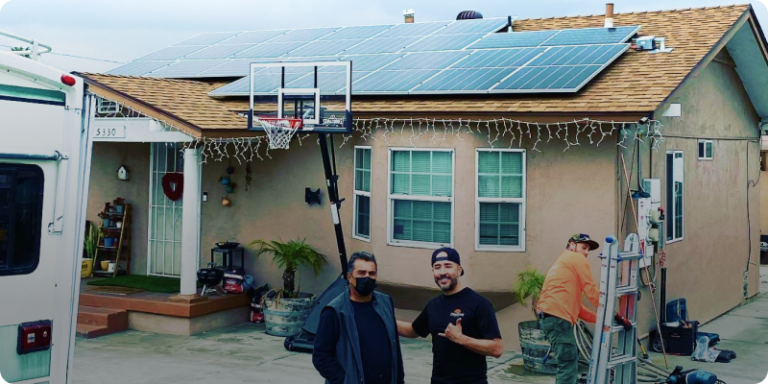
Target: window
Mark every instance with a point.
(500, 200)
(705, 150)
(362, 218)
(675, 195)
(421, 197)
(21, 210)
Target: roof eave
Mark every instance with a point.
(105, 91)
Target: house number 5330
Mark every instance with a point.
(109, 132)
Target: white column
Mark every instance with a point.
(190, 235)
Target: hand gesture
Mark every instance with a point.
(453, 332)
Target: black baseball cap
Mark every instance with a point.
(449, 254)
(584, 238)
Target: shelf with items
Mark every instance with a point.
(114, 246)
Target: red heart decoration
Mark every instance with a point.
(173, 185)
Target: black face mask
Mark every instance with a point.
(365, 285)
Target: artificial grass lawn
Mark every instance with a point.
(147, 283)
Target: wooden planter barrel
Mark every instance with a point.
(286, 316)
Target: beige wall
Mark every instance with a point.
(707, 266)
(567, 193)
(105, 187)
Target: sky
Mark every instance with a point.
(120, 31)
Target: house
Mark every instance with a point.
(508, 177)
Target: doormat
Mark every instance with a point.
(119, 291)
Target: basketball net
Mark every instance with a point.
(280, 131)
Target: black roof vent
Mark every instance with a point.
(469, 15)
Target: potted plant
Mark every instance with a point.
(287, 309)
(104, 216)
(119, 205)
(92, 240)
(533, 341)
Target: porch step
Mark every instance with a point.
(94, 322)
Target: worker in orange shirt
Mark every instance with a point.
(559, 306)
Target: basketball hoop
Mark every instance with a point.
(280, 131)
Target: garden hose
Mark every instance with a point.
(647, 372)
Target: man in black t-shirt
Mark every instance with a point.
(462, 324)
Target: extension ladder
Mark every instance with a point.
(616, 363)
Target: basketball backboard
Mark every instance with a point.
(318, 92)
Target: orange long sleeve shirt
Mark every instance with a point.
(560, 296)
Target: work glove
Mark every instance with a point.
(623, 321)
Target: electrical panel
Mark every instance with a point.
(646, 212)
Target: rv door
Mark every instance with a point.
(44, 170)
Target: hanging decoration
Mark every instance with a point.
(173, 185)
(498, 133)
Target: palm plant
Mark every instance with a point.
(529, 284)
(290, 256)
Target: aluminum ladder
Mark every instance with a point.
(616, 363)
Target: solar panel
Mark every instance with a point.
(207, 39)
(513, 40)
(220, 51)
(414, 29)
(382, 45)
(185, 68)
(325, 47)
(392, 81)
(515, 57)
(255, 37)
(266, 50)
(328, 82)
(229, 68)
(305, 34)
(432, 60)
(468, 79)
(443, 43)
(239, 87)
(586, 54)
(172, 53)
(481, 26)
(138, 68)
(370, 62)
(592, 36)
(357, 32)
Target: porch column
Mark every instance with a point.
(190, 235)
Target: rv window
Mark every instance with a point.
(31, 95)
(21, 203)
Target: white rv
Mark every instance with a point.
(44, 172)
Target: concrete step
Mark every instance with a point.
(94, 322)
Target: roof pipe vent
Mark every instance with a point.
(469, 15)
(609, 15)
(410, 16)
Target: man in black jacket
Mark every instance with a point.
(356, 340)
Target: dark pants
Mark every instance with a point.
(560, 335)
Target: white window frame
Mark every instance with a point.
(360, 193)
(391, 200)
(670, 211)
(521, 201)
(712, 146)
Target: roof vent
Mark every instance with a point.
(469, 15)
(410, 16)
(609, 15)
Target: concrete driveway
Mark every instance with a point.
(244, 353)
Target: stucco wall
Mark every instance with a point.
(105, 187)
(707, 266)
(568, 192)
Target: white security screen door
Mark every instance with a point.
(165, 222)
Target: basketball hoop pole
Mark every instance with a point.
(333, 196)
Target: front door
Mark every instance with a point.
(165, 221)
